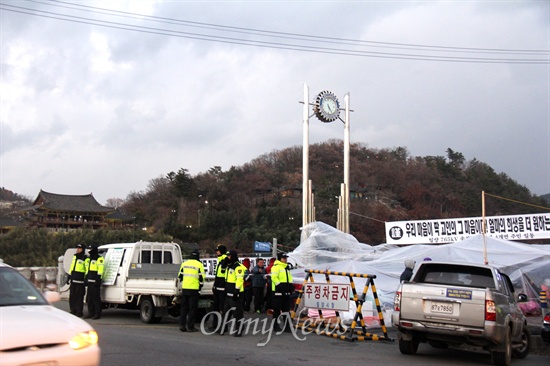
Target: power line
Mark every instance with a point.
(276, 45)
(367, 217)
(315, 38)
(515, 201)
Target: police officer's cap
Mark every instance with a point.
(222, 248)
(233, 254)
(81, 246)
(281, 256)
(195, 254)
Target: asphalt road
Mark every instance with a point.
(125, 340)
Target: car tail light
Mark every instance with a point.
(490, 310)
(546, 319)
(397, 301)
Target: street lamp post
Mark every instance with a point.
(62, 231)
(345, 224)
(134, 229)
(306, 219)
(199, 212)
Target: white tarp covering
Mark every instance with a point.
(323, 247)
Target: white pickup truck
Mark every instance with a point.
(456, 304)
(144, 276)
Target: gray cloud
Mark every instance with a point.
(104, 110)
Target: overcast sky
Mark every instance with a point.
(103, 96)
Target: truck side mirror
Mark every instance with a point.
(522, 298)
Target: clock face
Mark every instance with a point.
(326, 107)
(329, 105)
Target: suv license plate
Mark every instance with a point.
(439, 307)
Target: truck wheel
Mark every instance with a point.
(174, 311)
(408, 347)
(503, 358)
(201, 313)
(147, 311)
(522, 349)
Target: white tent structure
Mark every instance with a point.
(323, 247)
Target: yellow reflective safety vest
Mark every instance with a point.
(192, 274)
(234, 280)
(78, 268)
(280, 274)
(94, 269)
(221, 269)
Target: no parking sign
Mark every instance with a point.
(332, 296)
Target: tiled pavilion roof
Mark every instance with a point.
(69, 203)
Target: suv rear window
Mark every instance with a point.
(455, 275)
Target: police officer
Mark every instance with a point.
(192, 278)
(218, 289)
(94, 274)
(234, 291)
(76, 280)
(282, 288)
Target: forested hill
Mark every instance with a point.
(261, 200)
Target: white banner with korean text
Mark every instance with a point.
(512, 227)
(112, 265)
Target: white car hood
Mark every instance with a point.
(22, 326)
